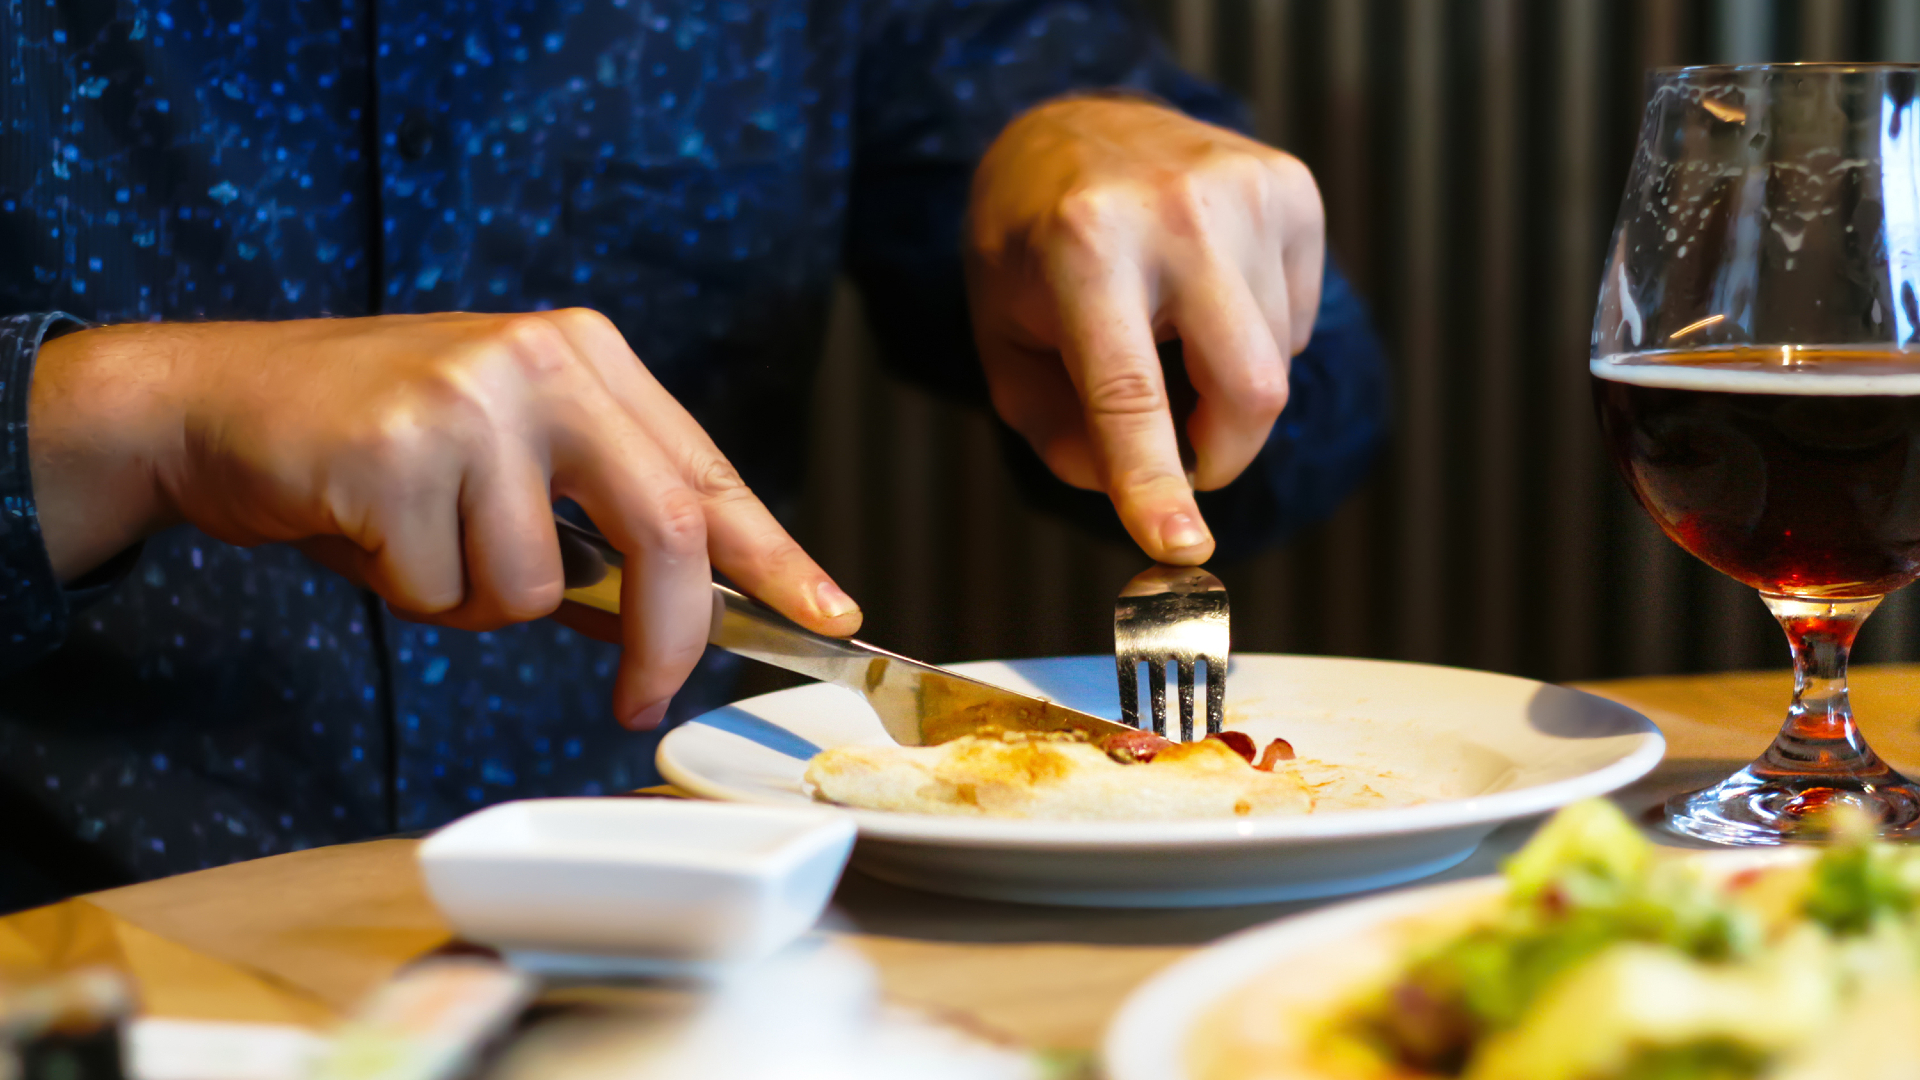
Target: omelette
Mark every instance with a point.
(1061, 776)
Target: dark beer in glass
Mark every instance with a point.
(1797, 473)
(1756, 371)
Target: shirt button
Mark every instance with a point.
(415, 137)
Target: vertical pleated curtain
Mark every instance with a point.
(1471, 153)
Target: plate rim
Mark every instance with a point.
(1146, 1037)
(1439, 816)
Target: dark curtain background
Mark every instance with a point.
(1471, 153)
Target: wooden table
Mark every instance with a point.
(300, 938)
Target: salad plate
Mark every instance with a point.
(1462, 751)
(1594, 955)
(1151, 1036)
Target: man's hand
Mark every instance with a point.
(1100, 226)
(420, 455)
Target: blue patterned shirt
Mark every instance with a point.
(699, 171)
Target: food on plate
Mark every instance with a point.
(1605, 961)
(1135, 776)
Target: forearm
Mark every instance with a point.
(96, 425)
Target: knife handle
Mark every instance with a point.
(741, 624)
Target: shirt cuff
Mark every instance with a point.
(34, 608)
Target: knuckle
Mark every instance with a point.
(1091, 217)
(535, 344)
(1294, 175)
(1298, 192)
(394, 437)
(1263, 390)
(399, 607)
(714, 477)
(1244, 165)
(445, 410)
(439, 605)
(671, 654)
(344, 506)
(581, 320)
(680, 530)
(440, 395)
(1125, 393)
(780, 555)
(1267, 393)
(1152, 484)
(1275, 187)
(1186, 202)
(458, 397)
(527, 602)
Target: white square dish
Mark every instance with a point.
(666, 882)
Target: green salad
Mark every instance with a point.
(1609, 962)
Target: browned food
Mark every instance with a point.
(1062, 776)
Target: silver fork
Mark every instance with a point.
(1177, 614)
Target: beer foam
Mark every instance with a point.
(1831, 379)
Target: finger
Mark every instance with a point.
(1273, 292)
(1107, 345)
(1032, 392)
(743, 537)
(1304, 256)
(1235, 366)
(635, 495)
(337, 554)
(1299, 302)
(749, 545)
(344, 557)
(512, 550)
(410, 546)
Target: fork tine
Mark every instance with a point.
(1216, 694)
(1157, 691)
(1129, 690)
(1186, 698)
(1163, 614)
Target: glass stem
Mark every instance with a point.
(1819, 763)
(1819, 735)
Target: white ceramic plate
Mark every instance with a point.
(1343, 947)
(1489, 747)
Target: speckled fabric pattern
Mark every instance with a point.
(698, 171)
(33, 608)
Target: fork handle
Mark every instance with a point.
(741, 625)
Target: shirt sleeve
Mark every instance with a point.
(937, 83)
(34, 608)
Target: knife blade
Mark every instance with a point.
(919, 704)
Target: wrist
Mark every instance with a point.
(101, 420)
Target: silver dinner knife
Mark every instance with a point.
(919, 704)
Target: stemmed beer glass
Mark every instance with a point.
(1756, 370)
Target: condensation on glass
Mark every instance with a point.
(1757, 377)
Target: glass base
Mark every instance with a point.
(1753, 810)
